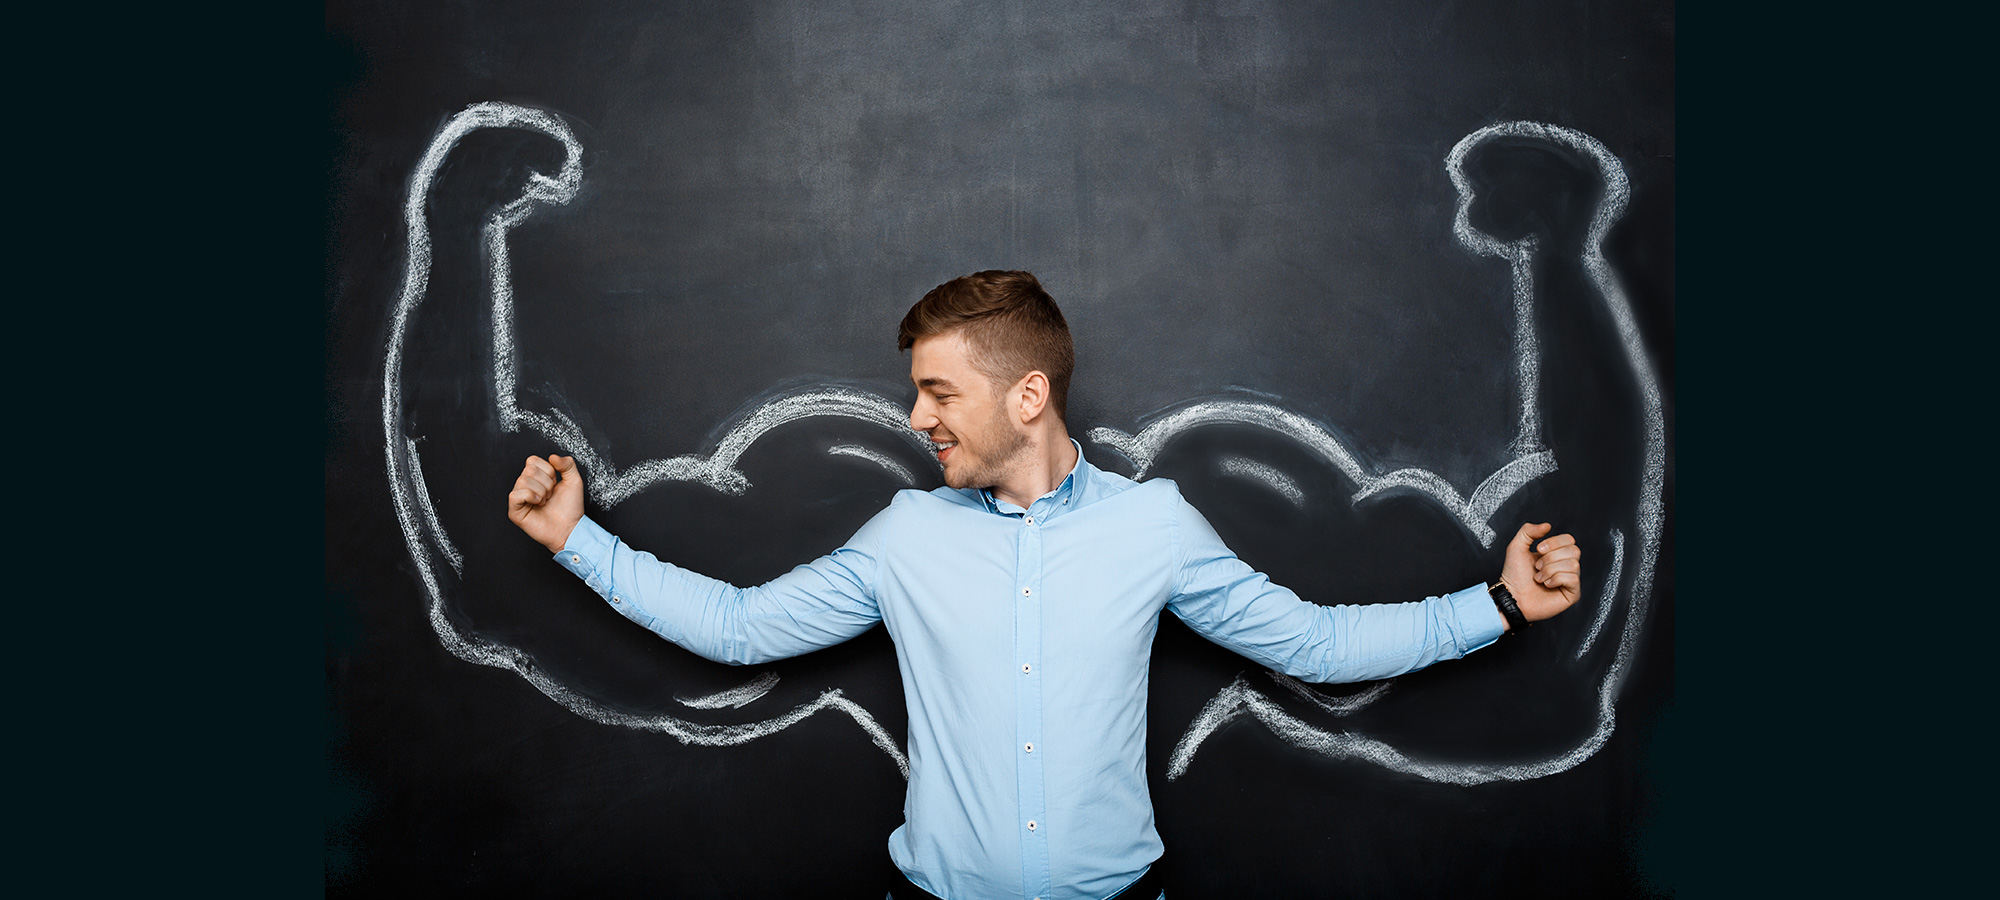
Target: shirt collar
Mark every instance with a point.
(1048, 505)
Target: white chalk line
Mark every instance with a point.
(1472, 514)
(1532, 459)
(609, 485)
(411, 498)
(718, 471)
(1610, 593)
(736, 697)
(1338, 706)
(1265, 475)
(430, 517)
(894, 468)
(1239, 697)
(1520, 256)
(1650, 519)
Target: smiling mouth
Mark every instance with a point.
(943, 448)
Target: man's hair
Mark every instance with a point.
(1010, 324)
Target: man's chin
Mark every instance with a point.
(964, 480)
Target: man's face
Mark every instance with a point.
(964, 413)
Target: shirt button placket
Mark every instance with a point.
(1033, 802)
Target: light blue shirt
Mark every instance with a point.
(1024, 638)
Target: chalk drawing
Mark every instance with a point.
(736, 697)
(894, 468)
(1240, 698)
(609, 484)
(1472, 513)
(430, 518)
(1339, 706)
(1610, 594)
(1265, 475)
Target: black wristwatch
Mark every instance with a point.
(1509, 610)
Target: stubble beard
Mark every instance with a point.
(1010, 448)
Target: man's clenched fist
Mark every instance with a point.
(547, 500)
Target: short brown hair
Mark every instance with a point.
(1011, 325)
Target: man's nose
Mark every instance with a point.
(922, 419)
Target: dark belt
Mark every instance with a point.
(1146, 888)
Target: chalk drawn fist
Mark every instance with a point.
(547, 500)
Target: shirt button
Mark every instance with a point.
(1025, 668)
(616, 600)
(1031, 824)
(1025, 592)
(575, 558)
(1031, 746)
(1031, 520)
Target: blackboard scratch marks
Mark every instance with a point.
(894, 468)
(736, 697)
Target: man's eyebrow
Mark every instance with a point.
(936, 382)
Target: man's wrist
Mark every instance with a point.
(558, 546)
(1509, 608)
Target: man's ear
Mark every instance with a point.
(1033, 391)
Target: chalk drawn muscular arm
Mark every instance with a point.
(547, 500)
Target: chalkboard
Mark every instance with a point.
(1373, 282)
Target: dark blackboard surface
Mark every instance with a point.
(1240, 203)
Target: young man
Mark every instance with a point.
(1023, 597)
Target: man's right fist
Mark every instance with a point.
(547, 500)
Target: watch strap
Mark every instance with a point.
(1509, 610)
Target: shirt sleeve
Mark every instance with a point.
(819, 604)
(1226, 601)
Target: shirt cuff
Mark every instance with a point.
(587, 555)
(1479, 620)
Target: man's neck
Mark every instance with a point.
(1044, 464)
